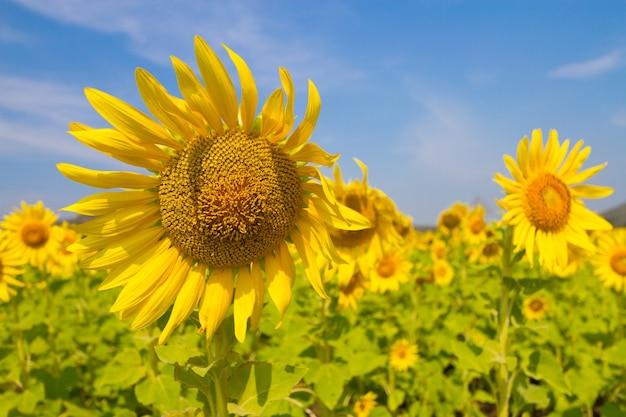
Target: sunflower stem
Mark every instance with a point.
(503, 376)
(19, 344)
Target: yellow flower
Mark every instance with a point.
(11, 262)
(474, 227)
(227, 191)
(450, 219)
(392, 269)
(543, 200)
(610, 260)
(438, 250)
(489, 252)
(351, 291)
(365, 404)
(65, 262)
(32, 230)
(364, 245)
(442, 272)
(535, 307)
(403, 355)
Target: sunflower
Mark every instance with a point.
(543, 200)
(11, 262)
(361, 248)
(365, 404)
(402, 355)
(228, 191)
(475, 228)
(610, 260)
(64, 262)
(442, 272)
(350, 291)
(451, 219)
(535, 307)
(392, 269)
(31, 228)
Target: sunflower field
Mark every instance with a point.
(232, 277)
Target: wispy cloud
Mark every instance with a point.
(34, 117)
(590, 68)
(156, 30)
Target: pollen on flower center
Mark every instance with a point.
(229, 199)
(547, 203)
(618, 261)
(35, 235)
(352, 238)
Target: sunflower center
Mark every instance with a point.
(450, 220)
(476, 225)
(35, 234)
(352, 238)
(618, 261)
(229, 199)
(491, 249)
(547, 203)
(386, 268)
(536, 305)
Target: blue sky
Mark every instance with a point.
(429, 94)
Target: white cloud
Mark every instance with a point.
(160, 28)
(590, 68)
(34, 117)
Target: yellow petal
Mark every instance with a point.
(311, 152)
(107, 179)
(309, 261)
(218, 295)
(245, 296)
(128, 120)
(110, 256)
(218, 83)
(103, 203)
(120, 221)
(249, 95)
(305, 129)
(259, 289)
(196, 95)
(591, 191)
(110, 141)
(145, 282)
(272, 114)
(279, 272)
(164, 295)
(160, 104)
(186, 299)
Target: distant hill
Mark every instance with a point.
(616, 216)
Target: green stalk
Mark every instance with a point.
(22, 355)
(56, 367)
(503, 376)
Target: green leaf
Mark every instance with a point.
(615, 354)
(542, 365)
(255, 384)
(534, 394)
(124, 371)
(163, 392)
(188, 412)
(29, 398)
(329, 379)
(470, 357)
(177, 354)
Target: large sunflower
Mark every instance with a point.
(33, 232)
(543, 200)
(228, 190)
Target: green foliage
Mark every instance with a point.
(63, 354)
